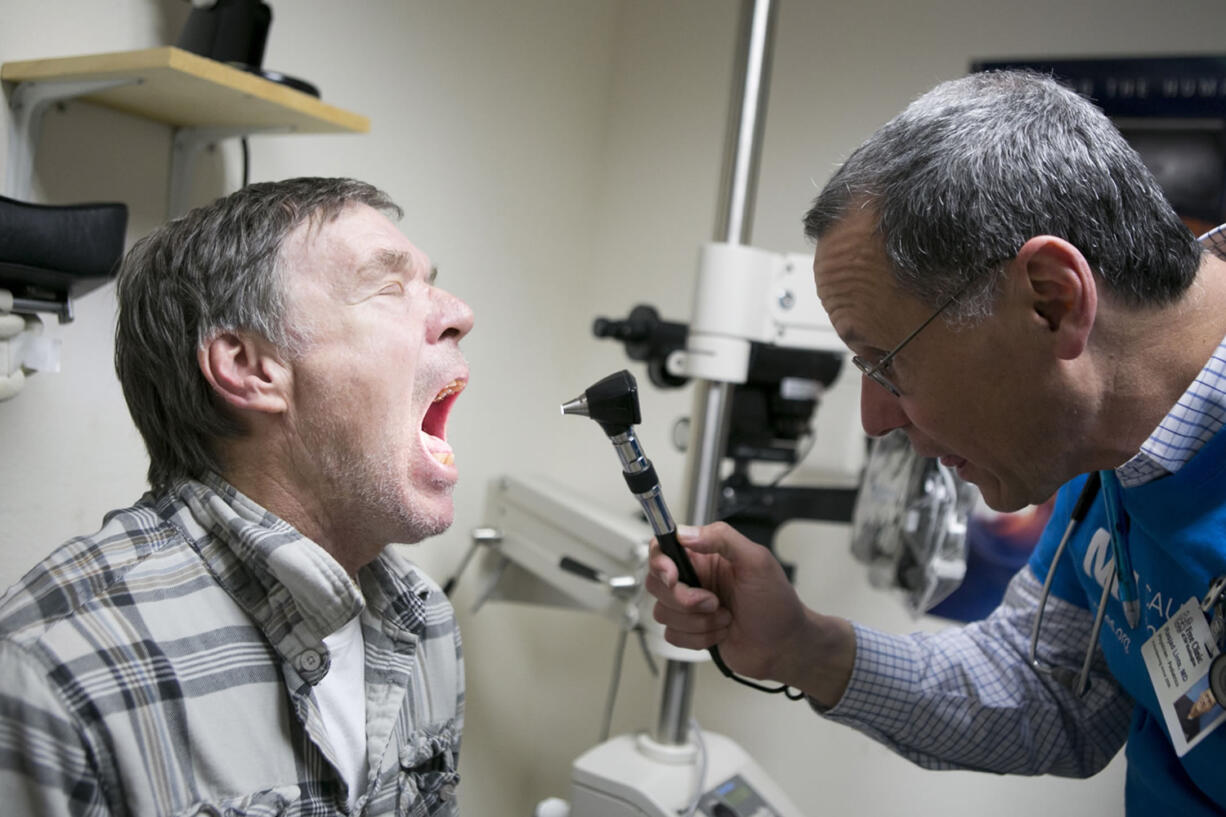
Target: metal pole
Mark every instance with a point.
(712, 400)
(672, 727)
(746, 121)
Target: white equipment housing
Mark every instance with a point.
(745, 294)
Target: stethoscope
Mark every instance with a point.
(1084, 500)
(1214, 600)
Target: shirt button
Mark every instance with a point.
(309, 661)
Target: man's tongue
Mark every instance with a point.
(438, 448)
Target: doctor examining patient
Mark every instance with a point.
(1021, 299)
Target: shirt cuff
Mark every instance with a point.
(884, 678)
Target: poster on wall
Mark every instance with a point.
(1171, 109)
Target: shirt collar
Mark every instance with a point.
(1199, 414)
(290, 586)
(1215, 241)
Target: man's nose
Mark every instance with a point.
(451, 318)
(880, 411)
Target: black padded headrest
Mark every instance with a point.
(58, 250)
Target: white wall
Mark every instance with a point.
(559, 160)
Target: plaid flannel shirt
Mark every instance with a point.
(165, 666)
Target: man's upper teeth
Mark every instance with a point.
(448, 390)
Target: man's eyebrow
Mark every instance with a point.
(384, 261)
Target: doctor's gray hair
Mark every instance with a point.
(974, 168)
(212, 271)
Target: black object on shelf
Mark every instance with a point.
(284, 79)
(235, 32)
(50, 254)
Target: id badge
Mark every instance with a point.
(1178, 657)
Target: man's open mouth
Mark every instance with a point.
(434, 424)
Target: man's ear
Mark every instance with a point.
(245, 371)
(1060, 292)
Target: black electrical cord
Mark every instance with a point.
(246, 161)
(784, 688)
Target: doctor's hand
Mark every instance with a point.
(748, 608)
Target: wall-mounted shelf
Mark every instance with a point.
(202, 99)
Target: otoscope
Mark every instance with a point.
(613, 402)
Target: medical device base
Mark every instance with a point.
(635, 776)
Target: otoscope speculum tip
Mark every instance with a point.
(577, 406)
(612, 401)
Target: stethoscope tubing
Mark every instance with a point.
(1084, 500)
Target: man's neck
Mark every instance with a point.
(281, 492)
(1146, 359)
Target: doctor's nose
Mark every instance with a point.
(880, 411)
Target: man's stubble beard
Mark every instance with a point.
(366, 489)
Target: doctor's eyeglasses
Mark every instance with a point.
(876, 372)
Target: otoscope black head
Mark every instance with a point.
(613, 402)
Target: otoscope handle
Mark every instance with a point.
(673, 550)
(686, 573)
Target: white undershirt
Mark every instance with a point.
(341, 696)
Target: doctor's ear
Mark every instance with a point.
(1061, 293)
(245, 371)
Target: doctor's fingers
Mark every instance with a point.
(677, 595)
(693, 630)
(660, 567)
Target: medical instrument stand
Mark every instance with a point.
(546, 545)
(713, 392)
(653, 775)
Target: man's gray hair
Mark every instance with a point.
(974, 168)
(214, 270)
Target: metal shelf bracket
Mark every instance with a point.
(28, 104)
